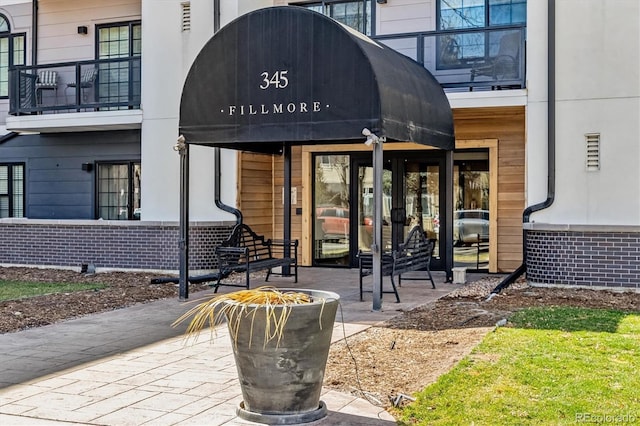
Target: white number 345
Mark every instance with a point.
(278, 80)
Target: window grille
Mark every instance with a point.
(593, 151)
(186, 16)
(12, 190)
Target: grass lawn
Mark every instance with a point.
(11, 290)
(554, 366)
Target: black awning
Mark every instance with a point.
(290, 75)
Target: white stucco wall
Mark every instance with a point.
(536, 108)
(231, 9)
(597, 91)
(168, 53)
(166, 57)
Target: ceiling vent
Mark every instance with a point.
(186, 16)
(593, 151)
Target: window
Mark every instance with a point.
(355, 14)
(119, 81)
(331, 193)
(459, 14)
(11, 190)
(458, 50)
(471, 189)
(12, 52)
(119, 191)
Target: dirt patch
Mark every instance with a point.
(409, 352)
(386, 364)
(122, 289)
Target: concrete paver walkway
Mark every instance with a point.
(129, 367)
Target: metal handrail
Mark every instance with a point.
(86, 96)
(427, 51)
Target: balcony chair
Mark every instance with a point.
(47, 80)
(504, 65)
(87, 81)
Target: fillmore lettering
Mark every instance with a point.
(280, 108)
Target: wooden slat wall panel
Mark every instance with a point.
(255, 198)
(508, 126)
(262, 177)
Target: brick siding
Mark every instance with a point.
(602, 259)
(125, 245)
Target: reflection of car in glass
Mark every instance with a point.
(334, 221)
(436, 223)
(470, 225)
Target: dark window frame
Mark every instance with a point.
(10, 188)
(368, 11)
(131, 166)
(112, 80)
(451, 44)
(486, 19)
(11, 38)
(130, 24)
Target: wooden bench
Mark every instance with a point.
(245, 251)
(412, 255)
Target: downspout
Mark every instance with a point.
(551, 147)
(216, 153)
(34, 32)
(219, 203)
(216, 16)
(7, 137)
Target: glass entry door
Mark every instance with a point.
(332, 216)
(413, 194)
(471, 212)
(422, 200)
(365, 208)
(119, 81)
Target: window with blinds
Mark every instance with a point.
(11, 190)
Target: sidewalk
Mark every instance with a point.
(129, 367)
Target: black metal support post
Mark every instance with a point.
(34, 32)
(448, 219)
(376, 248)
(183, 245)
(287, 205)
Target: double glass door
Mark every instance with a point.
(413, 194)
(410, 197)
(344, 205)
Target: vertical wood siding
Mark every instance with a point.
(256, 192)
(264, 175)
(507, 125)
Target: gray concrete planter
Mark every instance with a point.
(281, 383)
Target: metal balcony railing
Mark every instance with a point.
(107, 84)
(469, 59)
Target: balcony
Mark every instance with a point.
(75, 96)
(467, 60)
